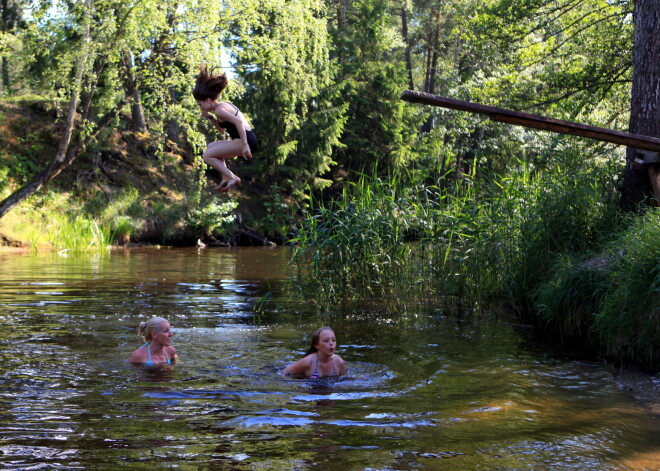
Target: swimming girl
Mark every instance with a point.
(320, 360)
(157, 351)
(225, 117)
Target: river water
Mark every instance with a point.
(425, 390)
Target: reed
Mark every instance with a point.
(79, 234)
(628, 324)
(355, 247)
(482, 238)
(569, 300)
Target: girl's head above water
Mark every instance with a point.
(148, 329)
(316, 338)
(158, 333)
(321, 359)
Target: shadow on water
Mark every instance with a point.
(422, 391)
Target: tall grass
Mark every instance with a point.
(571, 296)
(355, 247)
(611, 300)
(486, 237)
(77, 235)
(628, 324)
(44, 224)
(552, 244)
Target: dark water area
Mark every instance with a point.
(423, 391)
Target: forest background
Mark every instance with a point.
(381, 197)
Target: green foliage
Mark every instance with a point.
(24, 165)
(573, 58)
(280, 212)
(282, 55)
(207, 218)
(380, 128)
(569, 300)
(4, 179)
(484, 239)
(628, 323)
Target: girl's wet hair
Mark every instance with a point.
(208, 84)
(145, 329)
(315, 339)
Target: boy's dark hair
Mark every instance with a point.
(209, 85)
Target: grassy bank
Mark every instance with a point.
(610, 301)
(551, 244)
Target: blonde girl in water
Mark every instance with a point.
(225, 117)
(320, 360)
(157, 332)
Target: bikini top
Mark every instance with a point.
(149, 362)
(315, 375)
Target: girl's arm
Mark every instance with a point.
(298, 368)
(223, 115)
(213, 120)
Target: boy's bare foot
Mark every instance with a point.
(222, 186)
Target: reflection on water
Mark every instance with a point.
(425, 392)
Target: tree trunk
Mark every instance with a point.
(432, 63)
(5, 75)
(341, 14)
(4, 63)
(404, 33)
(132, 91)
(645, 100)
(61, 157)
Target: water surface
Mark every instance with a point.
(424, 391)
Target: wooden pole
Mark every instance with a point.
(503, 115)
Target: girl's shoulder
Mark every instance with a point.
(307, 359)
(226, 106)
(139, 355)
(299, 366)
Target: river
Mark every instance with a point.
(425, 390)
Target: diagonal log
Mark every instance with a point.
(503, 115)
